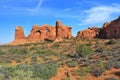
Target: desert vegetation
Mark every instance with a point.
(71, 59)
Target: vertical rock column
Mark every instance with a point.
(58, 26)
(19, 33)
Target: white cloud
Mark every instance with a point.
(100, 13)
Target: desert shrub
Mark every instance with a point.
(3, 74)
(67, 78)
(20, 51)
(100, 49)
(97, 71)
(98, 68)
(56, 45)
(83, 50)
(117, 64)
(26, 44)
(31, 72)
(47, 41)
(71, 63)
(45, 53)
(71, 55)
(118, 59)
(1, 52)
(86, 64)
(108, 65)
(111, 78)
(111, 41)
(32, 48)
(45, 71)
(82, 71)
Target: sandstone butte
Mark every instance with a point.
(59, 32)
(108, 31)
(41, 33)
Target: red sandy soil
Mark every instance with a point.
(107, 74)
(62, 73)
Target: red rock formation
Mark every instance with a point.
(88, 33)
(62, 32)
(19, 33)
(40, 33)
(19, 36)
(111, 30)
(44, 32)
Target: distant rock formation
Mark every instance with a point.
(19, 33)
(89, 33)
(111, 30)
(108, 31)
(41, 33)
(62, 31)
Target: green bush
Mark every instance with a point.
(97, 71)
(42, 71)
(71, 55)
(45, 53)
(20, 51)
(86, 64)
(117, 64)
(100, 49)
(56, 45)
(82, 71)
(1, 52)
(111, 41)
(108, 65)
(32, 48)
(111, 78)
(83, 50)
(45, 71)
(72, 63)
(98, 68)
(3, 74)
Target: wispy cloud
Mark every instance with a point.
(100, 13)
(92, 3)
(36, 10)
(67, 9)
(16, 9)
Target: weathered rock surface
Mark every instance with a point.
(41, 33)
(19, 36)
(89, 33)
(62, 31)
(108, 31)
(111, 30)
(19, 33)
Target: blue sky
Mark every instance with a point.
(79, 14)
